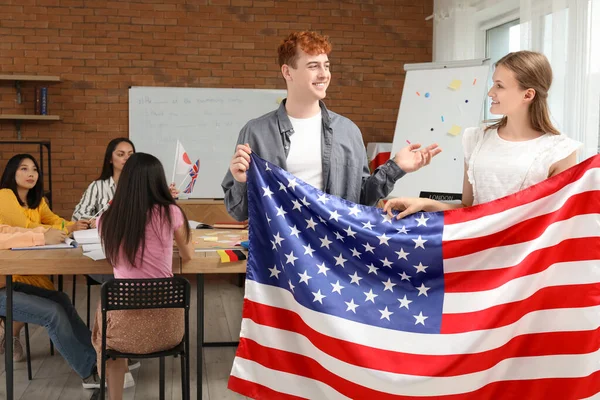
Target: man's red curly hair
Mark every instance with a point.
(310, 42)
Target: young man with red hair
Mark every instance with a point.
(317, 145)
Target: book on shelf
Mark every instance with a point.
(43, 100)
(36, 100)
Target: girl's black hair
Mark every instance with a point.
(9, 181)
(142, 191)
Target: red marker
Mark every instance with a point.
(408, 141)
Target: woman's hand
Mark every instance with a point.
(92, 223)
(173, 190)
(54, 236)
(406, 206)
(78, 226)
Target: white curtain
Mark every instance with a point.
(568, 33)
(453, 30)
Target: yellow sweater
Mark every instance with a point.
(13, 214)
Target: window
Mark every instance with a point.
(500, 41)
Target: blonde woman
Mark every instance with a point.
(519, 150)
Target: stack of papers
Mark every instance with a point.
(88, 236)
(90, 243)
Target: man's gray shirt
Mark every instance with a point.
(345, 166)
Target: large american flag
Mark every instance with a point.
(497, 301)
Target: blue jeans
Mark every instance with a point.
(53, 310)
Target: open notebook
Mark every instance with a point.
(68, 244)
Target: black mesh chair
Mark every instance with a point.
(139, 294)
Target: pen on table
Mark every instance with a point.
(407, 141)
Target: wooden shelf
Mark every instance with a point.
(32, 78)
(18, 79)
(30, 117)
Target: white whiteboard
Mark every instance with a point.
(206, 121)
(429, 108)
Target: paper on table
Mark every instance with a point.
(68, 244)
(95, 255)
(88, 236)
(91, 247)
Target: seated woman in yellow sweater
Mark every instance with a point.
(22, 204)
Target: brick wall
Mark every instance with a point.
(100, 48)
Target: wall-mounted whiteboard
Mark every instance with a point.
(439, 101)
(206, 121)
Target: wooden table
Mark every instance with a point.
(209, 262)
(73, 262)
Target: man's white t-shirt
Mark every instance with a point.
(304, 158)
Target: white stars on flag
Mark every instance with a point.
(274, 272)
(389, 285)
(351, 306)
(420, 267)
(354, 211)
(318, 296)
(325, 242)
(402, 254)
(304, 277)
(292, 183)
(280, 212)
(322, 268)
(404, 302)
(420, 319)
(370, 296)
(322, 198)
(355, 278)
(419, 242)
(422, 220)
(340, 260)
(308, 250)
(385, 313)
(267, 192)
(336, 287)
(295, 231)
(310, 224)
(334, 215)
(290, 259)
(423, 289)
(383, 239)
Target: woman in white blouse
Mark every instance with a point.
(101, 191)
(519, 150)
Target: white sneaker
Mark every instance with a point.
(93, 381)
(133, 364)
(129, 382)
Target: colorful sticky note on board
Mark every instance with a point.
(455, 84)
(455, 130)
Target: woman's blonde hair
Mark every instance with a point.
(532, 71)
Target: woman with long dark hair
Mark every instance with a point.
(137, 233)
(22, 205)
(100, 192)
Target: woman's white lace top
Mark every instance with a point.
(498, 167)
